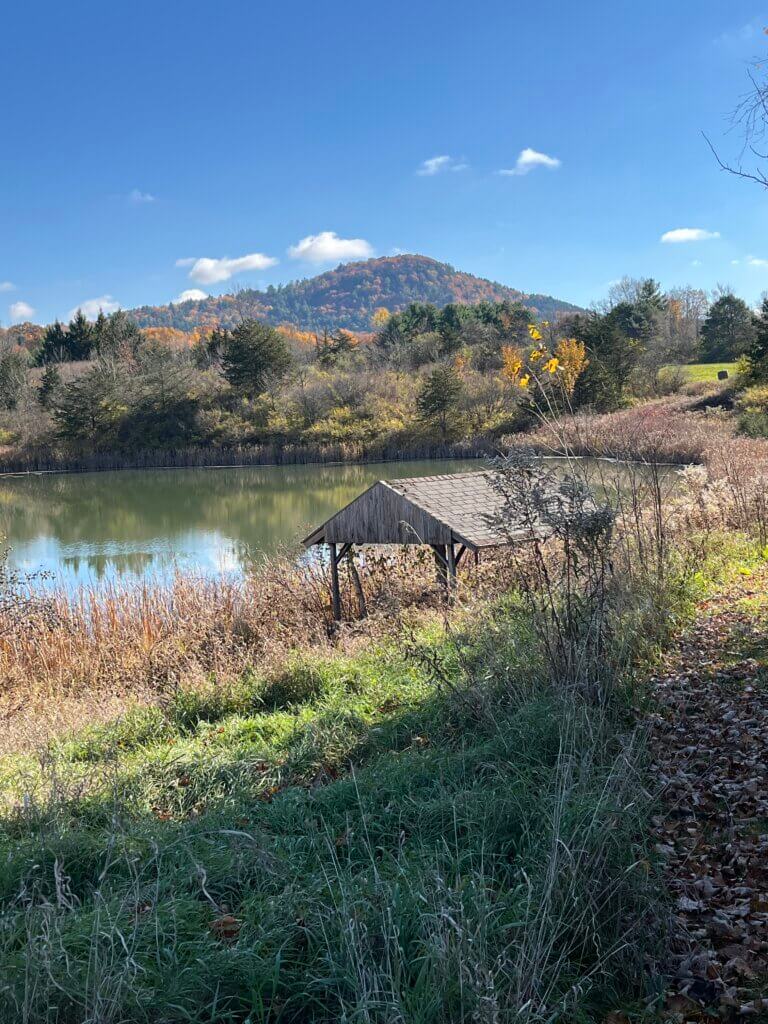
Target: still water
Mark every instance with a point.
(92, 528)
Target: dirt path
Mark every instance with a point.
(710, 743)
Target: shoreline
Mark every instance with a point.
(461, 450)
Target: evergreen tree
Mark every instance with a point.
(449, 327)
(13, 376)
(333, 347)
(728, 331)
(50, 382)
(53, 348)
(89, 408)
(255, 358)
(115, 336)
(80, 337)
(439, 396)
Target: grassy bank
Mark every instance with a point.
(426, 831)
(433, 816)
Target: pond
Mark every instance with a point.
(68, 530)
(91, 528)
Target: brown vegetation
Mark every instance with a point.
(67, 660)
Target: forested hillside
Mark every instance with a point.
(346, 297)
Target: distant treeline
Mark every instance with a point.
(109, 394)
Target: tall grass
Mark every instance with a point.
(71, 658)
(427, 819)
(48, 460)
(365, 848)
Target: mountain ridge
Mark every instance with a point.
(346, 297)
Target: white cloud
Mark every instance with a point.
(139, 198)
(755, 261)
(21, 311)
(92, 307)
(7, 286)
(529, 160)
(438, 164)
(677, 235)
(187, 261)
(735, 263)
(192, 294)
(695, 263)
(327, 247)
(211, 271)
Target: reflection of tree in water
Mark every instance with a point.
(254, 509)
(101, 565)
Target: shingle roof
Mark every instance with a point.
(467, 503)
(452, 508)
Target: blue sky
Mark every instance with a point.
(272, 141)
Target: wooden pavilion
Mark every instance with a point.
(453, 514)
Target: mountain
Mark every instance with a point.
(346, 297)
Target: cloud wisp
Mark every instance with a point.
(21, 311)
(678, 236)
(191, 295)
(206, 270)
(439, 165)
(138, 198)
(91, 308)
(327, 247)
(528, 160)
(7, 286)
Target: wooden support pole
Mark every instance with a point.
(441, 564)
(452, 577)
(362, 609)
(335, 591)
(450, 557)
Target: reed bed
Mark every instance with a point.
(68, 659)
(51, 460)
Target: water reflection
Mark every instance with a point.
(104, 527)
(97, 527)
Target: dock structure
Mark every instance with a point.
(452, 514)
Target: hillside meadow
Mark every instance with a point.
(218, 806)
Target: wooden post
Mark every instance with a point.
(441, 564)
(451, 574)
(335, 591)
(362, 609)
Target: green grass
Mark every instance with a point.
(358, 839)
(696, 373)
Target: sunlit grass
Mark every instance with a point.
(697, 373)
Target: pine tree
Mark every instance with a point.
(728, 331)
(255, 358)
(54, 345)
(79, 337)
(50, 382)
(439, 395)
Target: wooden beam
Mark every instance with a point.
(362, 608)
(344, 550)
(441, 563)
(461, 552)
(451, 574)
(335, 590)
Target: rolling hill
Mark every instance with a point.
(346, 297)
